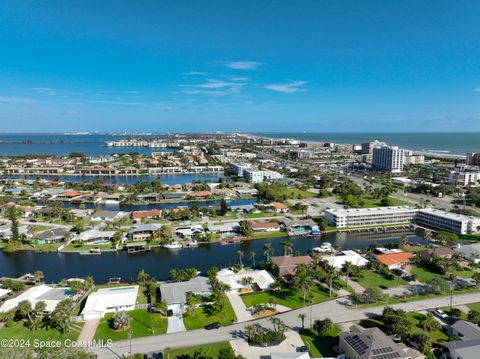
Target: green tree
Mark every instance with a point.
(322, 327)
(61, 316)
(142, 276)
(303, 280)
(223, 207)
(121, 321)
(268, 251)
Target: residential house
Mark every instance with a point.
(102, 215)
(224, 228)
(144, 232)
(372, 343)
(441, 252)
(137, 216)
(468, 345)
(95, 236)
(265, 226)
(470, 252)
(279, 207)
(261, 279)
(175, 293)
(52, 235)
(394, 260)
(338, 261)
(110, 300)
(285, 266)
(190, 231)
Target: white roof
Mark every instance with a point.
(346, 256)
(362, 211)
(449, 215)
(94, 234)
(106, 298)
(4, 292)
(51, 297)
(261, 277)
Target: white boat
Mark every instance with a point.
(324, 248)
(173, 245)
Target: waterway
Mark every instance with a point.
(170, 179)
(159, 261)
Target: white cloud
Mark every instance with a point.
(17, 99)
(243, 65)
(290, 87)
(477, 89)
(196, 73)
(213, 87)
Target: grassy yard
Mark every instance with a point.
(369, 202)
(50, 247)
(320, 347)
(423, 274)
(73, 247)
(211, 350)
(370, 279)
(203, 316)
(272, 234)
(437, 336)
(141, 323)
(19, 331)
(285, 297)
(474, 306)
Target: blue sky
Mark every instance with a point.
(239, 65)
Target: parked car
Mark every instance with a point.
(169, 313)
(154, 309)
(215, 325)
(440, 313)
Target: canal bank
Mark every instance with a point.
(159, 261)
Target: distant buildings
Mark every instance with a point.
(359, 217)
(367, 147)
(464, 177)
(253, 175)
(473, 159)
(388, 159)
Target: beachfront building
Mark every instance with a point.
(388, 159)
(40, 293)
(362, 217)
(108, 300)
(464, 177)
(367, 147)
(448, 221)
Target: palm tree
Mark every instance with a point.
(35, 323)
(302, 317)
(403, 240)
(38, 275)
(142, 276)
(40, 307)
(348, 268)
(61, 315)
(267, 250)
(24, 309)
(303, 279)
(428, 323)
(252, 257)
(240, 256)
(330, 275)
(120, 321)
(287, 247)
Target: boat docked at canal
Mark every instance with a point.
(325, 247)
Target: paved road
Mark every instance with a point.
(334, 309)
(45, 224)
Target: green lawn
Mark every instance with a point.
(369, 202)
(212, 350)
(72, 247)
(320, 346)
(437, 336)
(474, 306)
(260, 215)
(203, 316)
(269, 234)
(370, 279)
(423, 274)
(50, 247)
(19, 331)
(465, 273)
(141, 323)
(285, 297)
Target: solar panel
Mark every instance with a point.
(357, 344)
(385, 353)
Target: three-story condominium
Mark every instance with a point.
(359, 217)
(448, 221)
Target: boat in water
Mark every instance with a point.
(173, 245)
(326, 247)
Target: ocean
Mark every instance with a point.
(451, 144)
(439, 143)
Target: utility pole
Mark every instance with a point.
(130, 340)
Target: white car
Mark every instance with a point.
(440, 313)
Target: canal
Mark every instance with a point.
(159, 261)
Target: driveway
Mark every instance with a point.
(175, 322)
(243, 315)
(88, 330)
